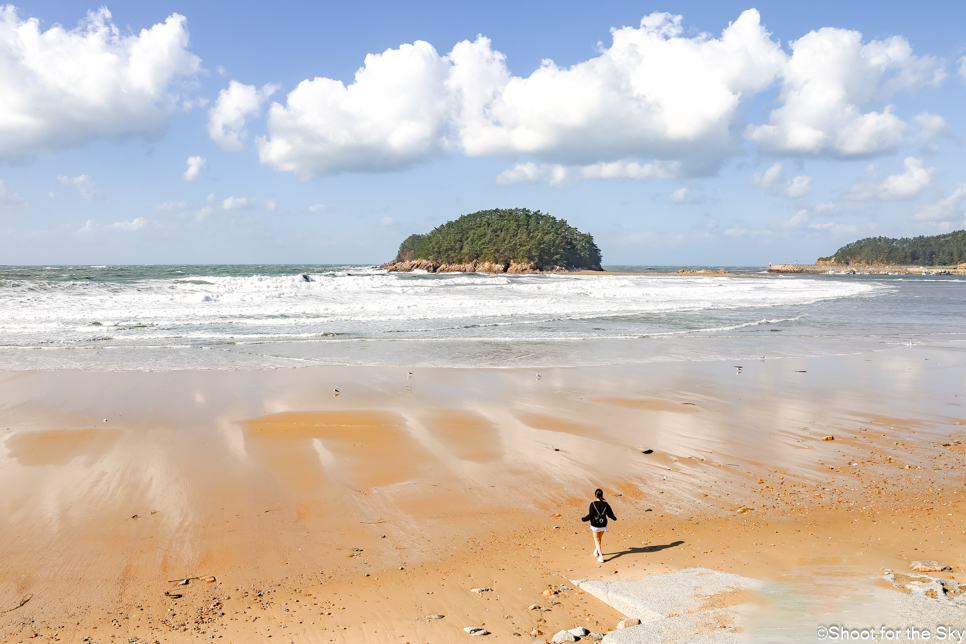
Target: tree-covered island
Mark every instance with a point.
(937, 250)
(513, 240)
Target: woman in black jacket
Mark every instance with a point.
(599, 511)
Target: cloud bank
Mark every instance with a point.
(62, 89)
(656, 102)
(827, 85)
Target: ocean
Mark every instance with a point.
(119, 318)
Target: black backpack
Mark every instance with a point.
(599, 518)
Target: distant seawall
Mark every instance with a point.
(864, 269)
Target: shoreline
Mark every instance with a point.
(864, 269)
(231, 473)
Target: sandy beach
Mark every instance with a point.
(300, 514)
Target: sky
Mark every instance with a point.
(677, 133)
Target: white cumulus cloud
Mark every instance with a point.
(85, 186)
(560, 175)
(9, 198)
(653, 94)
(62, 88)
(775, 181)
(226, 119)
(685, 196)
(931, 125)
(135, 224)
(392, 116)
(910, 183)
(237, 203)
(951, 207)
(830, 81)
(195, 166)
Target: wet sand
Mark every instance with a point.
(353, 517)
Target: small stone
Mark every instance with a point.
(533, 607)
(743, 510)
(472, 629)
(563, 636)
(549, 592)
(437, 616)
(597, 636)
(539, 641)
(828, 438)
(566, 588)
(628, 622)
(580, 631)
(929, 566)
(479, 590)
(535, 633)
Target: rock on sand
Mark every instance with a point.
(929, 566)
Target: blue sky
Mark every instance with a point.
(676, 132)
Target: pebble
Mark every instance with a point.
(437, 616)
(828, 438)
(563, 636)
(628, 622)
(476, 630)
(479, 590)
(580, 631)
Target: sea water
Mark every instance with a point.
(280, 316)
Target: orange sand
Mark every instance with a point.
(351, 518)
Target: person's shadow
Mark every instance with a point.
(642, 550)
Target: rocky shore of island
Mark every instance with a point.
(430, 266)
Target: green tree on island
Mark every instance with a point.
(503, 236)
(938, 250)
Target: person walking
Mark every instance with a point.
(599, 511)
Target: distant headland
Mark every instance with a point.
(936, 254)
(514, 240)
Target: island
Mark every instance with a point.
(931, 255)
(513, 240)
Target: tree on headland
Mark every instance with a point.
(505, 236)
(938, 250)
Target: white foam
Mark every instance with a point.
(199, 310)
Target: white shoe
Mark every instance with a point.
(600, 559)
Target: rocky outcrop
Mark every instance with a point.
(704, 271)
(694, 605)
(470, 267)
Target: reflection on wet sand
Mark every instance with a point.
(59, 446)
(468, 435)
(370, 448)
(650, 404)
